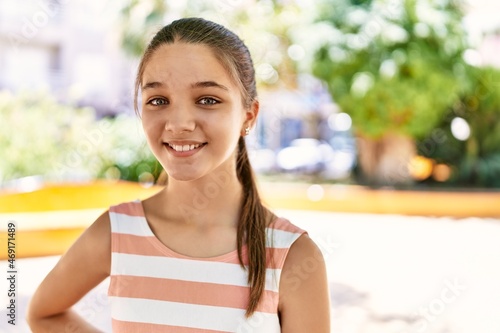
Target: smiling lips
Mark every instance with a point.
(184, 148)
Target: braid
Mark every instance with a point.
(252, 228)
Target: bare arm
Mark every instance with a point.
(79, 270)
(304, 304)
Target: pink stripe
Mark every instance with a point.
(285, 225)
(151, 246)
(189, 292)
(132, 244)
(131, 327)
(132, 208)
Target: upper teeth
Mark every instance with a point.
(184, 147)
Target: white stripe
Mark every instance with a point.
(128, 224)
(191, 315)
(280, 239)
(187, 270)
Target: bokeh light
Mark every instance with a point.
(460, 128)
(441, 172)
(420, 167)
(315, 192)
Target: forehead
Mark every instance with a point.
(185, 62)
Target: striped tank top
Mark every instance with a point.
(155, 289)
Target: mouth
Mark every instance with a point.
(184, 148)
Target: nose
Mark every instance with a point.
(180, 119)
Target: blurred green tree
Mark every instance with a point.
(39, 136)
(263, 25)
(395, 67)
(42, 137)
(476, 158)
(138, 21)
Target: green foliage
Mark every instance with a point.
(37, 133)
(123, 153)
(477, 159)
(39, 136)
(393, 66)
(263, 25)
(481, 108)
(139, 22)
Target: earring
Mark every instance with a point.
(247, 130)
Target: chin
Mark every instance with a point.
(183, 176)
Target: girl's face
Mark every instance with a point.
(192, 112)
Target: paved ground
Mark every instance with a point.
(387, 273)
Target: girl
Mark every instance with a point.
(202, 255)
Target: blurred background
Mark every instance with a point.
(359, 92)
(379, 133)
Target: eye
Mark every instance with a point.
(157, 101)
(208, 101)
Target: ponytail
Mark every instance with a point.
(252, 229)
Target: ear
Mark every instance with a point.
(251, 115)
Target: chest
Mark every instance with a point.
(194, 241)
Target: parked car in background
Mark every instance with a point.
(344, 156)
(304, 156)
(263, 160)
(331, 160)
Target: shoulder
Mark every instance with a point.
(98, 232)
(304, 252)
(303, 291)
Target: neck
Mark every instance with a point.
(213, 199)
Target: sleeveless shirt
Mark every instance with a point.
(155, 289)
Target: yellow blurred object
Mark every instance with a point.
(420, 167)
(50, 219)
(68, 196)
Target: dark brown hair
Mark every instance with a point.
(232, 53)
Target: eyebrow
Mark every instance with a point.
(207, 84)
(201, 84)
(151, 85)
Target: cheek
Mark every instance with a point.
(148, 120)
(152, 128)
(228, 127)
